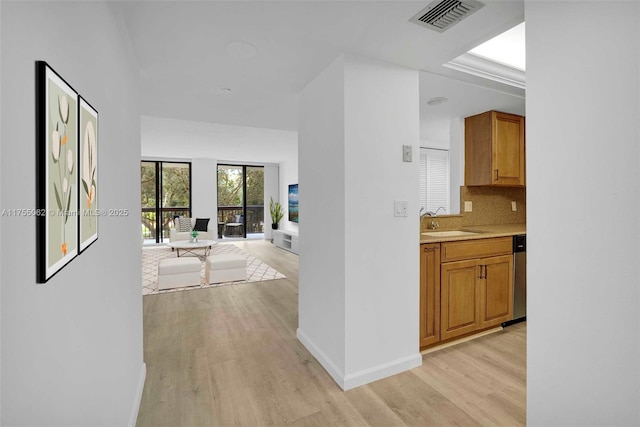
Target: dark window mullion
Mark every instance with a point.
(244, 201)
(158, 211)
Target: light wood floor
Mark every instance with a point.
(229, 356)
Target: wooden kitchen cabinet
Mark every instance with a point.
(460, 298)
(476, 285)
(496, 291)
(429, 294)
(495, 150)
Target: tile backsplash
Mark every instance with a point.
(491, 205)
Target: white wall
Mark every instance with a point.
(583, 159)
(271, 191)
(456, 163)
(359, 266)
(321, 173)
(203, 191)
(71, 348)
(382, 258)
(1, 207)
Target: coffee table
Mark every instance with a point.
(189, 247)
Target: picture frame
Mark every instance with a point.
(87, 174)
(56, 172)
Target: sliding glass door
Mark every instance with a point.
(240, 200)
(166, 193)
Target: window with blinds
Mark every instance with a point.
(434, 180)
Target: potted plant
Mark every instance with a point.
(275, 209)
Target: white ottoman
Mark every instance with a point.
(177, 272)
(225, 268)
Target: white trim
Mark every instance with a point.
(365, 376)
(379, 372)
(138, 397)
(326, 362)
(481, 67)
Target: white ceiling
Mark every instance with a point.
(180, 48)
(173, 139)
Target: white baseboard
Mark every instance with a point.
(138, 396)
(384, 370)
(326, 362)
(365, 376)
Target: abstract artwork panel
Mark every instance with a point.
(56, 172)
(88, 173)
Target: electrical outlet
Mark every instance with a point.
(468, 206)
(513, 206)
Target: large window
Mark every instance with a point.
(240, 200)
(166, 193)
(434, 180)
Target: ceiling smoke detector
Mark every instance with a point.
(441, 15)
(438, 100)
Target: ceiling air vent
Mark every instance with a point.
(444, 14)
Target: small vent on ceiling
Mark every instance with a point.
(441, 15)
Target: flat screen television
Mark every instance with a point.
(293, 202)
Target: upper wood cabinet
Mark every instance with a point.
(494, 150)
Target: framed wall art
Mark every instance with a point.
(88, 174)
(56, 172)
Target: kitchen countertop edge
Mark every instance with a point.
(484, 232)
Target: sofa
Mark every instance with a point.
(175, 235)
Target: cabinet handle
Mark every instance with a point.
(483, 274)
(480, 273)
(497, 174)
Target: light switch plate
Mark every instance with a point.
(468, 206)
(400, 208)
(513, 206)
(407, 153)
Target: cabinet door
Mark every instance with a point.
(429, 294)
(508, 156)
(277, 238)
(496, 290)
(459, 298)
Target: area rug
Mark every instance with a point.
(257, 270)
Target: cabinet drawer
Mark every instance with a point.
(481, 248)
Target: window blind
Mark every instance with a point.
(434, 180)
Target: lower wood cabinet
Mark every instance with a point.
(466, 295)
(429, 294)
(460, 301)
(496, 291)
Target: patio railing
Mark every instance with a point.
(226, 214)
(233, 214)
(150, 225)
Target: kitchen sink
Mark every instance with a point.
(448, 233)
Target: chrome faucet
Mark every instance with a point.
(433, 225)
(438, 210)
(430, 213)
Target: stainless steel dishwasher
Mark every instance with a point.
(519, 280)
